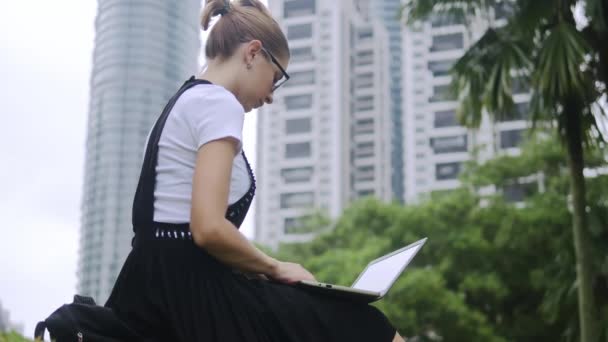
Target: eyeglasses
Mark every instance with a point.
(285, 76)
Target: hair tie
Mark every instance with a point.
(224, 10)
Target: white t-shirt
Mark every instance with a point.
(203, 113)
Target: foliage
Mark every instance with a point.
(12, 337)
(565, 63)
(491, 270)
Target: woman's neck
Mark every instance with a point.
(221, 74)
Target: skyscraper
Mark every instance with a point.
(144, 49)
(5, 323)
(436, 146)
(326, 139)
(387, 13)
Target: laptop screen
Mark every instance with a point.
(379, 276)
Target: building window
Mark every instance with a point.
(365, 103)
(294, 102)
(520, 85)
(301, 125)
(364, 126)
(503, 10)
(445, 171)
(297, 174)
(365, 193)
(297, 8)
(365, 80)
(439, 20)
(301, 78)
(299, 31)
(510, 138)
(366, 34)
(518, 192)
(520, 112)
(297, 200)
(451, 144)
(365, 57)
(365, 173)
(442, 93)
(445, 118)
(364, 150)
(445, 42)
(301, 54)
(297, 150)
(441, 68)
(297, 225)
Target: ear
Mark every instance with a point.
(252, 49)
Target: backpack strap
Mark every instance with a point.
(143, 202)
(84, 300)
(39, 331)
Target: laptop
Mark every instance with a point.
(375, 280)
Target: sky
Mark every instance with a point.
(46, 50)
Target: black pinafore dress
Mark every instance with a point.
(169, 289)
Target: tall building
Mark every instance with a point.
(436, 146)
(5, 322)
(387, 13)
(144, 49)
(370, 148)
(325, 141)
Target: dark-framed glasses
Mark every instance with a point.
(285, 76)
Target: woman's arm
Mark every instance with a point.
(213, 232)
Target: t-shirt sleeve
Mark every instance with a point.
(213, 116)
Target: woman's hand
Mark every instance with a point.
(256, 276)
(288, 272)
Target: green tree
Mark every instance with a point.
(568, 70)
(491, 270)
(544, 158)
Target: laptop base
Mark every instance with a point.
(337, 291)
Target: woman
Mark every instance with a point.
(187, 277)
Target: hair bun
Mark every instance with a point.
(225, 9)
(214, 8)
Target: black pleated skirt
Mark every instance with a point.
(171, 290)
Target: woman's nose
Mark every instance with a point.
(268, 98)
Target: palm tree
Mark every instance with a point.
(567, 68)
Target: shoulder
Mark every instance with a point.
(210, 98)
(211, 112)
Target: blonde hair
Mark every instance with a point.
(242, 21)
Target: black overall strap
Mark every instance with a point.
(237, 211)
(143, 203)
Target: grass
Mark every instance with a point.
(12, 337)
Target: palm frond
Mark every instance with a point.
(558, 71)
(418, 10)
(482, 77)
(531, 15)
(597, 13)
(541, 112)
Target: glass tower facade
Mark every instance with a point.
(144, 50)
(387, 11)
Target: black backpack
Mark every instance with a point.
(84, 321)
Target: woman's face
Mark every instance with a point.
(263, 73)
